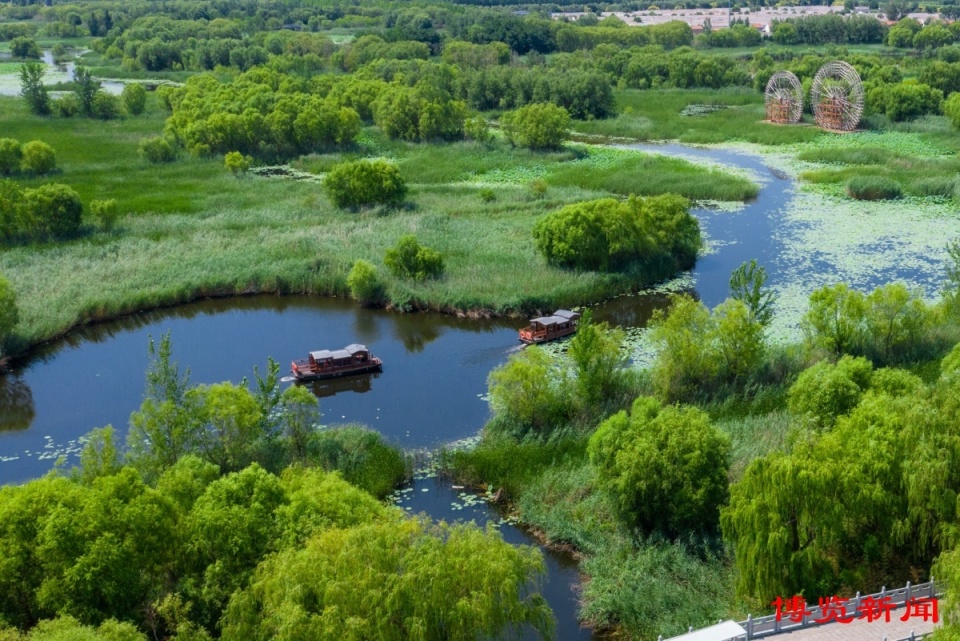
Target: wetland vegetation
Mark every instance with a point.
(465, 159)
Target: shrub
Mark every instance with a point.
(361, 456)
(951, 108)
(237, 163)
(476, 129)
(364, 284)
(11, 155)
(666, 467)
(39, 158)
(608, 234)
(104, 106)
(51, 210)
(105, 212)
(157, 150)
(536, 126)
(24, 48)
(134, 98)
(873, 188)
(409, 259)
(487, 195)
(363, 183)
(827, 391)
(67, 107)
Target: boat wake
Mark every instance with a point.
(287, 379)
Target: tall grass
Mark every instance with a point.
(655, 115)
(193, 230)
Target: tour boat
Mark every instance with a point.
(352, 359)
(562, 323)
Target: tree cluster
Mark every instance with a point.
(47, 211)
(887, 439)
(651, 235)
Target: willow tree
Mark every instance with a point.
(393, 581)
(861, 504)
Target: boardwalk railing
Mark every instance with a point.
(764, 626)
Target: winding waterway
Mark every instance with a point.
(435, 366)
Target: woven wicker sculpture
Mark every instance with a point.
(837, 97)
(784, 98)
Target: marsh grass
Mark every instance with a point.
(655, 115)
(190, 229)
(872, 173)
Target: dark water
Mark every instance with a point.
(435, 366)
(561, 585)
(435, 369)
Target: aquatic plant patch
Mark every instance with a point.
(701, 110)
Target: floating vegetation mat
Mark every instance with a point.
(285, 171)
(51, 451)
(701, 110)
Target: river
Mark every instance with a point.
(430, 391)
(55, 73)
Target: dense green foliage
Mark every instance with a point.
(237, 163)
(665, 466)
(607, 234)
(134, 99)
(11, 155)
(105, 212)
(409, 259)
(35, 214)
(24, 48)
(363, 282)
(157, 150)
(424, 576)
(39, 158)
(536, 126)
(9, 314)
(364, 183)
(901, 434)
(891, 325)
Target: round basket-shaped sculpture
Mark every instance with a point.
(784, 98)
(837, 97)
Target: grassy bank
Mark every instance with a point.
(193, 230)
(732, 114)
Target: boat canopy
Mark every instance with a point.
(558, 317)
(346, 352)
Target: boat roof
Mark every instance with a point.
(559, 316)
(346, 352)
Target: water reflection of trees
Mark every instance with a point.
(16, 404)
(634, 311)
